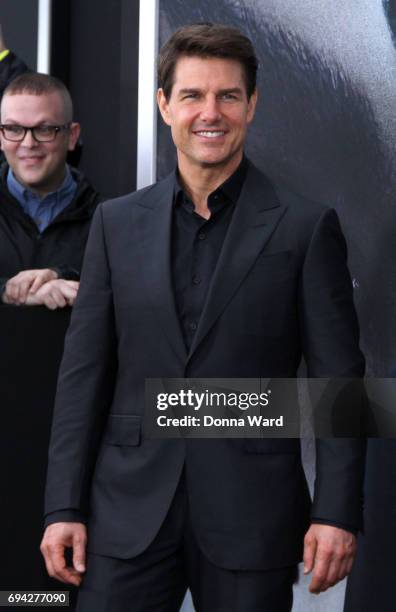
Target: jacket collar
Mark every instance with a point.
(256, 215)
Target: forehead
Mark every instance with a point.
(32, 109)
(211, 72)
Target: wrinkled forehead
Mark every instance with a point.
(31, 109)
(197, 72)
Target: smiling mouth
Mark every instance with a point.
(31, 159)
(210, 133)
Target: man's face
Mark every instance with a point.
(208, 112)
(39, 166)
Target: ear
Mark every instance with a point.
(252, 106)
(163, 106)
(74, 134)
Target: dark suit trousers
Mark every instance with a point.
(157, 580)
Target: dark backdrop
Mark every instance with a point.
(19, 21)
(103, 79)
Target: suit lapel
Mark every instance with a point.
(154, 242)
(256, 216)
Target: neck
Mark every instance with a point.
(200, 181)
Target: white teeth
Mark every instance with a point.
(211, 134)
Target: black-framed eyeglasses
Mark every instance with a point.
(40, 133)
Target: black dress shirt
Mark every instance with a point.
(196, 246)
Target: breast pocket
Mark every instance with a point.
(269, 294)
(275, 266)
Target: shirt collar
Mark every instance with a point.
(230, 189)
(20, 192)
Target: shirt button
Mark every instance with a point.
(193, 326)
(196, 280)
(201, 236)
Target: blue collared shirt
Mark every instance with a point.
(43, 210)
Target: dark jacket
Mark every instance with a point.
(60, 246)
(281, 289)
(10, 67)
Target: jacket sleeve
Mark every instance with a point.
(330, 333)
(10, 67)
(86, 382)
(67, 272)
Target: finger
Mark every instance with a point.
(342, 570)
(24, 288)
(68, 292)
(74, 284)
(70, 576)
(16, 293)
(349, 565)
(310, 545)
(79, 545)
(332, 574)
(49, 302)
(322, 563)
(38, 282)
(7, 297)
(60, 570)
(57, 296)
(12, 291)
(70, 301)
(57, 558)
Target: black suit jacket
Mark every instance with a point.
(281, 289)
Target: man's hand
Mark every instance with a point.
(27, 281)
(54, 294)
(329, 552)
(58, 537)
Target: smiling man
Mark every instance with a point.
(211, 272)
(45, 206)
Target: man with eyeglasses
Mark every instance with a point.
(45, 206)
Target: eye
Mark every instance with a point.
(190, 96)
(229, 96)
(15, 130)
(44, 130)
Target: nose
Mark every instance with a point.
(210, 112)
(28, 140)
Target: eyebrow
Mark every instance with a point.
(189, 90)
(235, 90)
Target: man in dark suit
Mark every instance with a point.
(209, 273)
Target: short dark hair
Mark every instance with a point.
(39, 84)
(207, 40)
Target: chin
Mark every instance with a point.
(216, 161)
(32, 181)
